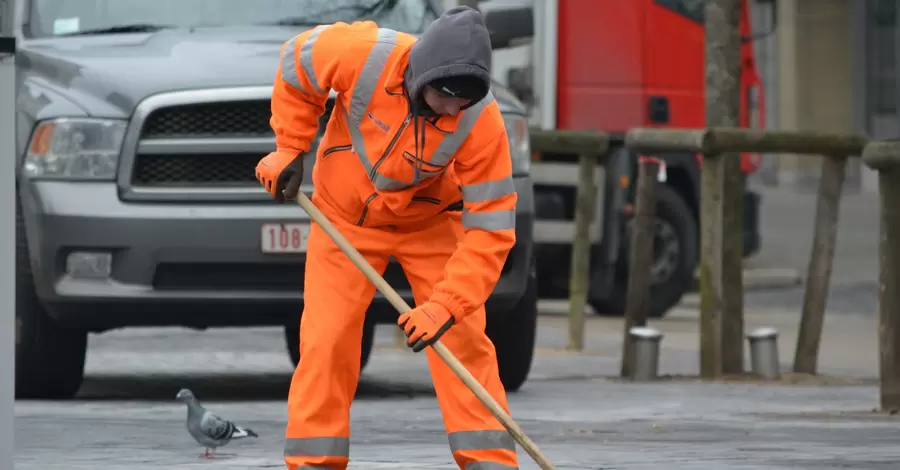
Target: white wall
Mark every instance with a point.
(506, 58)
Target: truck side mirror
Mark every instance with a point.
(509, 22)
(773, 22)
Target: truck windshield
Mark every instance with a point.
(86, 17)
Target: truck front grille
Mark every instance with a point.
(198, 126)
(202, 169)
(203, 120)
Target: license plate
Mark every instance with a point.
(284, 238)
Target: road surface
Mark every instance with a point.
(127, 417)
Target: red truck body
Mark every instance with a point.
(640, 63)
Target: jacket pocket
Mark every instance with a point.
(426, 199)
(427, 166)
(336, 148)
(365, 210)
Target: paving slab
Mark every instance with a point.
(579, 424)
(126, 416)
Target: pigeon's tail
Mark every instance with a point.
(240, 432)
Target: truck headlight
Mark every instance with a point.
(519, 144)
(75, 149)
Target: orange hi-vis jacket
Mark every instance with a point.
(373, 170)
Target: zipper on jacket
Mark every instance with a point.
(390, 146)
(336, 149)
(430, 200)
(365, 211)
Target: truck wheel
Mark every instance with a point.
(292, 340)
(675, 253)
(514, 339)
(49, 357)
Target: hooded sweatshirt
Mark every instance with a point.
(455, 44)
(375, 167)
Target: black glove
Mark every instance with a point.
(289, 180)
(289, 169)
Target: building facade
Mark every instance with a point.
(831, 66)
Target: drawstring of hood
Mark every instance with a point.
(455, 44)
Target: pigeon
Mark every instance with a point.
(210, 430)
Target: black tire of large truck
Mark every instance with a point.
(292, 342)
(675, 224)
(514, 339)
(49, 357)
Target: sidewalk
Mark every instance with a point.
(849, 347)
(584, 424)
(573, 407)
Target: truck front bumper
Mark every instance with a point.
(100, 263)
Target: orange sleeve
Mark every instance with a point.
(484, 168)
(316, 61)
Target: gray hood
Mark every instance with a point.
(457, 43)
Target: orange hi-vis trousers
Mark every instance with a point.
(336, 296)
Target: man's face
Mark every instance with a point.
(444, 103)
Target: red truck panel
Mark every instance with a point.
(600, 73)
(613, 55)
(674, 48)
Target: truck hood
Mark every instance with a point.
(123, 69)
(109, 75)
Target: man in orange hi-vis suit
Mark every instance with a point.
(415, 164)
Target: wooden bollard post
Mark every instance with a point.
(581, 243)
(818, 276)
(591, 147)
(885, 157)
(641, 257)
(719, 326)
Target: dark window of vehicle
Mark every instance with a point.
(691, 9)
(61, 17)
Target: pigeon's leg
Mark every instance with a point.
(207, 454)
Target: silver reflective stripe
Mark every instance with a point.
(317, 447)
(306, 58)
(314, 467)
(489, 466)
(451, 142)
(365, 88)
(481, 440)
(363, 92)
(490, 221)
(289, 64)
(488, 190)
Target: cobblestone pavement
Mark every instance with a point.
(126, 417)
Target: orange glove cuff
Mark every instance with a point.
(425, 324)
(270, 167)
(451, 304)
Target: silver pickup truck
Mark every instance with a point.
(139, 126)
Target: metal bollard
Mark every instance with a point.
(764, 352)
(645, 348)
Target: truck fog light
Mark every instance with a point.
(87, 265)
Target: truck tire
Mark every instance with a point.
(675, 254)
(49, 357)
(292, 340)
(514, 339)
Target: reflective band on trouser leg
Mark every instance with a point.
(320, 453)
(477, 440)
(336, 295)
(479, 448)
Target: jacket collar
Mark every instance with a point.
(393, 83)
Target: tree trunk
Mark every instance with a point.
(889, 293)
(722, 194)
(641, 258)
